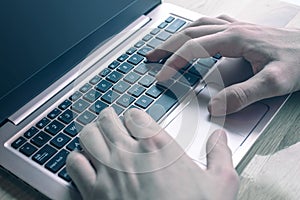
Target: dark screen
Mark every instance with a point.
(47, 38)
(36, 32)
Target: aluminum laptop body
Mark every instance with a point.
(25, 104)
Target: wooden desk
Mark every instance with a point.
(282, 132)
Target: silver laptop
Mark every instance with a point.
(62, 63)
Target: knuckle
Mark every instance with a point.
(240, 96)
(236, 32)
(273, 78)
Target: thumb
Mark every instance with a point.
(267, 83)
(218, 153)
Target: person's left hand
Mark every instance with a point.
(141, 161)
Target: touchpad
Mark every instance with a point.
(192, 127)
(244, 121)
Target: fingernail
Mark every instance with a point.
(165, 73)
(221, 135)
(140, 118)
(159, 77)
(107, 112)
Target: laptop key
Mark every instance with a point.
(73, 129)
(135, 59)
(122, 58)
(147, 37)
(165, 84)
(28, 149)
(98, 106)
(54, 127)
(131, 50)
(114, 76)
(74, 145)
(110, 96)
(121, 87)
(144, 101)
(40, 139)
(155, 91)
(44, 154)
(154, 68)
(136, 90)
(163, 25)
(75, 96)
(18, 142)
(198, 70)
(208, 62)
(117, 109)
(141, 69)
(85, 88)
(67, 116)
(43, 122)
(86, 117)
(154, 43)
(54, 113)
(125, 100)
(105, 72)
(147, 81)
(163, 36)
(113, 65)
(64, 175)
(91, 96)
(132, 77)
(103, 86)
(170, 19)
(217, 56)
(65, 104)
(58, 161)
(175, 26)
(31, 132)
(95, 80)
(139, 44)
(60, 140)
(125, 67)
(155, 31)
(189, 79)
(143, 51)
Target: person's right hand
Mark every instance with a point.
(272, 52)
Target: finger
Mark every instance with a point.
(144, 128)
(81, 172)
(179, 39)
(94, 144)
(203, 47)
(267, 83)
(113, 129)
(208, 21)
(219, 155)
(227, 18)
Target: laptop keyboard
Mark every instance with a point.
(128, 82)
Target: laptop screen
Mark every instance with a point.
(42, 40)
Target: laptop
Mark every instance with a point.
(62, 63)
